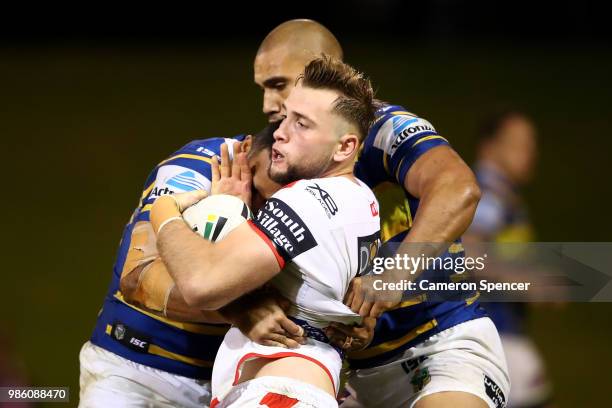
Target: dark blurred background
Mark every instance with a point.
(92, 101)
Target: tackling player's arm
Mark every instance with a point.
(260, 316)
(145, 281)
(150, 286)
(448, 196)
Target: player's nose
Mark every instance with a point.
(280, 134)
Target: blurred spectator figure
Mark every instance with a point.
(506, 158)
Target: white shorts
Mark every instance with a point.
(108, 380)
(236, 349)
(467, 357)
(530, 385)
(272, 392)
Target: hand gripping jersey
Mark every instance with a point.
(186, 349)
(502, 216)
(323, 232)
(393, 144)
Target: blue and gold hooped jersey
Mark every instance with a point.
(394, 143)
(186, 349)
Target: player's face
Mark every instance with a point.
(307, 138)
(275, 73)
(518, 149)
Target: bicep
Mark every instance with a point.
(244, 261)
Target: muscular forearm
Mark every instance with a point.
(178, 309)
(448, 194)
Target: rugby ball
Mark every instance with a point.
(215, 216)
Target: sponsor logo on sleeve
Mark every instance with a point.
(177, 179)
(159, 191)
(285, 228)
(494, 392)
(406, 127)
(326, 200)
(185, 181)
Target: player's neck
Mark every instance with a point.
(342, 170)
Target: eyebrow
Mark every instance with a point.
(270, 82)
(298, 114)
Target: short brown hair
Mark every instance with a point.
(356, 101)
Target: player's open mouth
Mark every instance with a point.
(276, 155)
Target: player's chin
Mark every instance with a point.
(279, 174)
(278, 169)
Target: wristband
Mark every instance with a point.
(169, 220)
(164, 210)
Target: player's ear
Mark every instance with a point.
(246, 144)
(348, 145)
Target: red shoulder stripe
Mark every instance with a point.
(279, 258)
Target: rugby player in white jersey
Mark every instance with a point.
(306, 241)
(422, 353)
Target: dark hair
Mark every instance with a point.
(264, 139)
(491, 126)
(356, 101)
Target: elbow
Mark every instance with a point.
(465, 190)
(127, 289)
(470, 197)
(129, 282)
(472, 194)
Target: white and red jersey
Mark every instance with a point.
(323, 232)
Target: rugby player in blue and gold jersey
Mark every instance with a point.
(506, 159)
(424, 352)
(149, 349)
